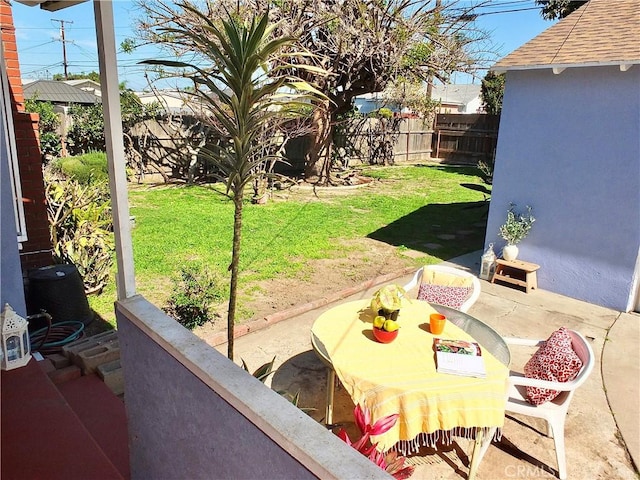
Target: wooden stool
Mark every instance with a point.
(517, 272)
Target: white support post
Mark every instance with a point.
(105, 37)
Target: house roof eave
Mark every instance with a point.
(599, 33)
(559, 67)
(51, 5)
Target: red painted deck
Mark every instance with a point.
(76, 430)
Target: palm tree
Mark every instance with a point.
(243, 91)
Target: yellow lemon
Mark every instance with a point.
(391, 326)
(378, 322)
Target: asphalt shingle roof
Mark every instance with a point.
(58, 92)
(602, 32)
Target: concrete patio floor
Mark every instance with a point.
(602, 430)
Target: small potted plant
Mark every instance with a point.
(514, 230)
(387, 301)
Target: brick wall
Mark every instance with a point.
(36, 251)
(11, 55)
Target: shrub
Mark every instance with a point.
(50, 144)
(486, 168)
(384, 113)
(87, 129)
(85, 169)
(195, 290)
(81, 226)
(49, 119)
(87, 122)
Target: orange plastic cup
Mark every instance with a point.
(436, 323)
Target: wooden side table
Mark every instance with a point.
(517, 272)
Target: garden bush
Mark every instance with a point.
(85, 169)
(81, 226)
(383, 113)
(87, 129)
(50, 144)
(194, 292)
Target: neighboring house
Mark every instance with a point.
(87, 85)
(463, 98)
(58, 93)
(172, 101)
(569, 146)
(370, 102)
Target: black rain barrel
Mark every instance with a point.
(59, 290)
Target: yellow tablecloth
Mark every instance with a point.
(400, 377)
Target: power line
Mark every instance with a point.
(37, 46)
(75, 28)
(481, 14)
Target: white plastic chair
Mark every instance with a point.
(553, 412)
(475, 291)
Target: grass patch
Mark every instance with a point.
(410, 207)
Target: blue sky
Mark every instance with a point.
(40, 48)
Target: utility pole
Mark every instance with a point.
(64, 46)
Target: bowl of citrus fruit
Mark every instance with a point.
(385, 331)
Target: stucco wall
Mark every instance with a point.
(194, 414)
(569, 146)
(11, 286)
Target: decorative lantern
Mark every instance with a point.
(15, 340)
(488, 263)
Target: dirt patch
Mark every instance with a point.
(328, 275)
(369, 259)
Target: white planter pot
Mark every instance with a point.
(510, 252)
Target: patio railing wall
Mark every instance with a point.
(194, 414)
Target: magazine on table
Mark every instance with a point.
(459, 357)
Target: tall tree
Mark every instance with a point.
(363, 44)
(555, 9)
(239, 80)
(492, 91)
(95, 76)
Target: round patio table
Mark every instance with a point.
(342, 338)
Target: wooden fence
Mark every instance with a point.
(465, 138)
(456, 138)
(414, 141)
(369, 141)
(400, 139)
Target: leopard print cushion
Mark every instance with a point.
(452, 297)
(555, 361)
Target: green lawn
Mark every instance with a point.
(410, 207)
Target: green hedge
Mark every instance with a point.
(85, 169)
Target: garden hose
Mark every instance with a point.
(54, 336)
